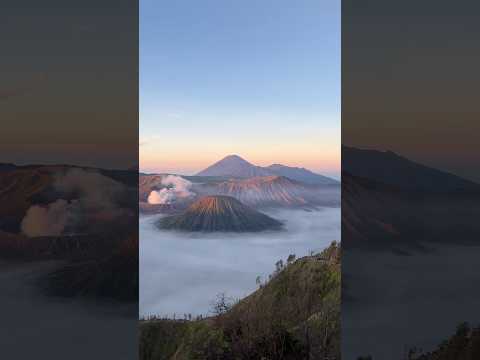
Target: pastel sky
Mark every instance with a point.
(260, 79)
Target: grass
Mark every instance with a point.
(295, 315)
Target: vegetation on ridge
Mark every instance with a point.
(293, 315)
(463, 345)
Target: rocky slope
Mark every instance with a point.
(265, 191)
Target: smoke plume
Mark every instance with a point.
(49, 220)
(176, 188)
(87, 199)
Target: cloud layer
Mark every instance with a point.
(194, 267)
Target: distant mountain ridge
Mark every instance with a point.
(301, 174)
(376, 215)
(264, 191)
(219, 213)
(392, 169)
(235, 166)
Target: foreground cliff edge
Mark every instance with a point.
(293, 315)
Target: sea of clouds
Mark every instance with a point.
(182, 273)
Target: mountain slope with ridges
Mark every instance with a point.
(265, 191)
(219, 213)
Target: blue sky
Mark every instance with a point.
(257, 78)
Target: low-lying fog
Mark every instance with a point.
(183, 272)
(400, 302)
(60, 328)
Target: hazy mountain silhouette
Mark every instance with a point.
(389, 201)
(390, 168)
(301, 174)
(219, 213)
(235, 166)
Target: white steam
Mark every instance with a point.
(94, 190)
(164, 196)
(94, 201)
(49, 220)
(176, 188)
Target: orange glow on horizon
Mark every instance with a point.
(318, 152)
(320, 159)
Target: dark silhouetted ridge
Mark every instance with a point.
(390, 168)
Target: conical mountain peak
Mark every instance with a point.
(234, 157)
(234, 166)
(219, 213)
(237, 167)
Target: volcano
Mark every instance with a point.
(235, 166)
(219, 213)
(265, 191)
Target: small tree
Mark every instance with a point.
(258, 281)
(222, 304)
(279, 265)
(291, 258)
